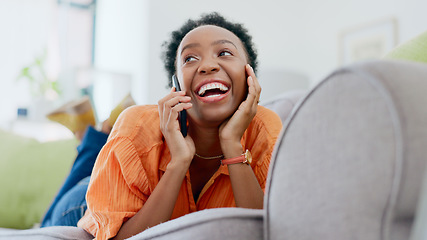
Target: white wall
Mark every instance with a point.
(121, 41)
(28, 29)
(294, 36)
(24, 26)
(300, 36)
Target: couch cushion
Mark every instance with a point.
(30, 175)
(413, 50)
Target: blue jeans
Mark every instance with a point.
(71, 207)
(69, 204)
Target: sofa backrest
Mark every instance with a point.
(284, 103)
(350, 161)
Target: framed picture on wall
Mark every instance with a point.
(367, 41)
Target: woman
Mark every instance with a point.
(146, 174)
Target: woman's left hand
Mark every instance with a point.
(231, 131)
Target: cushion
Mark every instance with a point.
(31, 173)
(413, 50)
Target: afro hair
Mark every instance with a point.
(171, 47)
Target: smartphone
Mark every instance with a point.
(182, 117)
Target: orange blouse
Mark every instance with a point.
(135, 157)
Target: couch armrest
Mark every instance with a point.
(219, 223)
(54, 233)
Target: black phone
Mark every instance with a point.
(182, 118)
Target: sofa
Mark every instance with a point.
(349, 164)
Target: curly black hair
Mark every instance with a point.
(171, 47)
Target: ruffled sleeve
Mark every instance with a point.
(119, 185)
(118, 189)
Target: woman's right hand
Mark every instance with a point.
(160, 204)
(182, 149)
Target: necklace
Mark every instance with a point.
(210, 158)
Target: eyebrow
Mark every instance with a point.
(224, 41)
(191, 45)
(217, 42)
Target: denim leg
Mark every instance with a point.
(88, 150)
(71, 207)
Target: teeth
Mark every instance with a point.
(215, 95)
(211, 86)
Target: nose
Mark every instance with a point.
(208, 65)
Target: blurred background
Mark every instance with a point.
(54, 51)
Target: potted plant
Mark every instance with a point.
(43, 89)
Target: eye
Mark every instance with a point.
(225, 53)
(189, 59)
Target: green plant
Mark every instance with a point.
(40, 84)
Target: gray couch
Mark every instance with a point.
(349, 164)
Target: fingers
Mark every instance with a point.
(254, 88)
(173, 93)
(172, 99)
(170, 106)
(182, 149)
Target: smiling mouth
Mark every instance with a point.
(213, 89)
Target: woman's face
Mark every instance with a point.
(210, 67)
